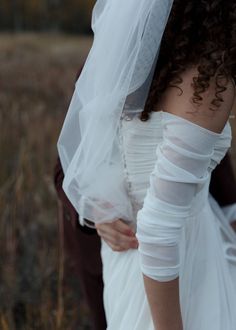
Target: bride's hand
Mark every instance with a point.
(118, 235)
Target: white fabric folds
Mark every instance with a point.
(230, 212)
(179, 187)
(116, 79)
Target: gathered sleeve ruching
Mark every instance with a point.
(182, 170)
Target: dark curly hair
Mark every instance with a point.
(202, 34)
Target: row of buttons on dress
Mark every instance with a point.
(125, 167)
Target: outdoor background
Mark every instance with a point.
(42, 45)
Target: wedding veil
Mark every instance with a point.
(115, 81)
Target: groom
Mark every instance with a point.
(83, 244)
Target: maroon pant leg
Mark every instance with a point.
(83, 259)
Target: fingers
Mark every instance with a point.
(118, 235)
(115, 233)
(117, 239)
(123, 228)
(118, 245)
(119, 226)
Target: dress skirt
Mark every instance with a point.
(207, 278)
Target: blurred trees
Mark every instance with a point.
(62, 15)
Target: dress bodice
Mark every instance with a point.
(139, 142)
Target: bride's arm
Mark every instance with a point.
(164, 303)
(181, 169)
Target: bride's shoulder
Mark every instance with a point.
(210, 108)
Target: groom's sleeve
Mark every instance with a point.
(223, 183)
(68, 209)
(83, 260)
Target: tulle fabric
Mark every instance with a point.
(115, 80)
(207, 246)
(178, 190)
(125, 301)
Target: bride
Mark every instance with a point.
(147, 124)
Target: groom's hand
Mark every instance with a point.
(118, 235)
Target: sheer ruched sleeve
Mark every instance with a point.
(183, 167)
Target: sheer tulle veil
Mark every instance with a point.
(115, 81)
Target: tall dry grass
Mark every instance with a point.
(37, 74)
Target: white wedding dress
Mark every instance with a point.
(207, 244)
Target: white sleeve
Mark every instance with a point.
(181, 171)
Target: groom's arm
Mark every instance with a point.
(223, 183)
(68, 209)
(223, 188)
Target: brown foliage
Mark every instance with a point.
(37, 74)
(67, 15)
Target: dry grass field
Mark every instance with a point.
(37, 74)
(36, 81)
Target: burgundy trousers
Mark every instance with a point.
(83, 259)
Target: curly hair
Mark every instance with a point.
(202, 34)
